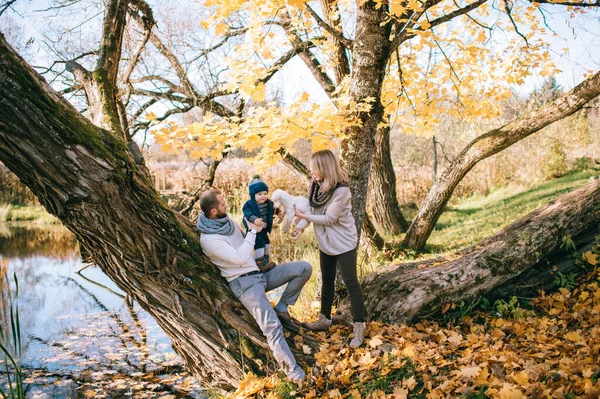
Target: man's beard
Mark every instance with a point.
(221, 215)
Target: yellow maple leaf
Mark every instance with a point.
(574, 336)
(399, 393)
(521, 378)
(590, 258)
(409, 351)
(470, 372)
(355, 393)
(259, 93)
(409, 383)
(221, 29)
(334, 393)
(150, 116)
(375, 342)
(509, 391)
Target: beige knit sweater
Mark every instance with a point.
(334, 225)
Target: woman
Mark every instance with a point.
(335, 231)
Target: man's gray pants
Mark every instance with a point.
(250, 290)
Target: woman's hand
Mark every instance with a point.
(299, 214)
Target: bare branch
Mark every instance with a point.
(508, 12)
(229, 35)
(161, 95)
(71, 89)
(171, 112)
(172, 86)
(6, 6)
(303, 47)
(474, 20)
(141, 110)
(405, 35)
(136, 56)
(334, 32)
(568, 3)
(48, 69)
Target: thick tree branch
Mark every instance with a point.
(332, 31)
(112, 39)
(339, 56)
(309, 59)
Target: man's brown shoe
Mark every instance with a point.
(288, 321)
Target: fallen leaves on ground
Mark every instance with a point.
(551, 352)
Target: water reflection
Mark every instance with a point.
(81, 336)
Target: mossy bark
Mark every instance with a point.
(86, 177)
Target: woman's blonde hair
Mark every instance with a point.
(326, 164)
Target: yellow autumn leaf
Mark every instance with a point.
(574, 336)
(399, 393)
(590, 258)
(509, 391)
(150, 116)
(221, 29)
(375, 342)
(334, 393)
(259, 93)
(409, 383)
(470, 372)
(521, 378)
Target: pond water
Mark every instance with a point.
(81, 337)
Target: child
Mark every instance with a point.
(259, 210)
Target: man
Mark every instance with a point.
(224, 244)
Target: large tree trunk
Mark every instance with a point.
(87, 178)
(383, 199)
(369, 58)
(489, 144)
(519, 259)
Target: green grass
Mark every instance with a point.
(20, 213)
(469, 220)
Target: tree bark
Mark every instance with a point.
(383, 199)
(370, 53)
(434, 167)
(87, 178)
(520, 257)
(489, 144)
(339, 56)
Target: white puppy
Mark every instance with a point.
(282, 198)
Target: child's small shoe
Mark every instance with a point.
(264, 265)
